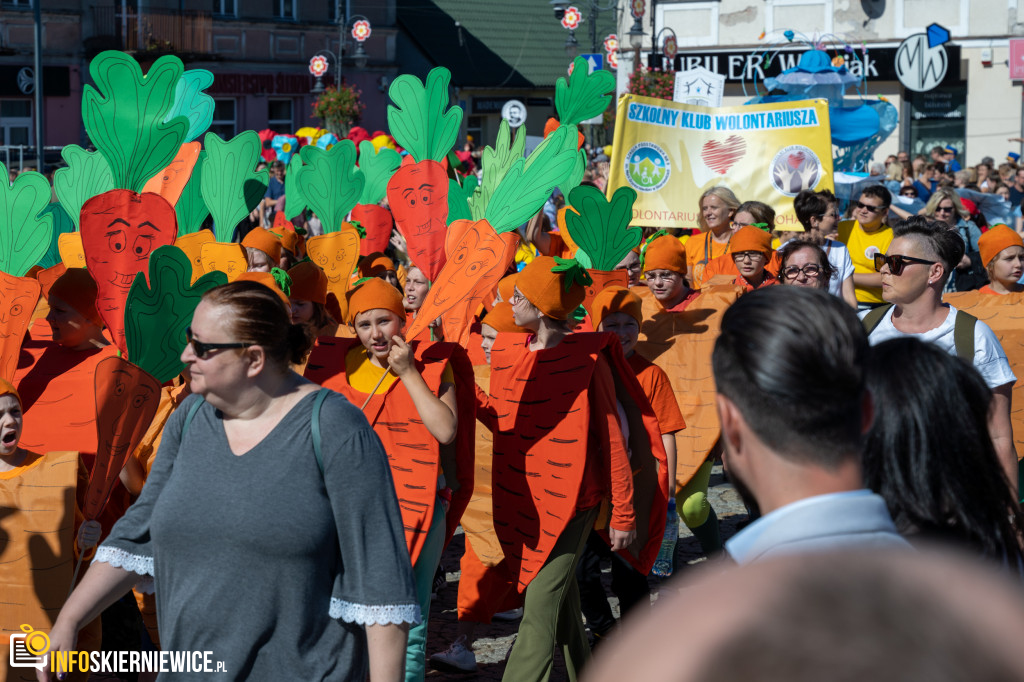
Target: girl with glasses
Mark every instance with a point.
(804, 265)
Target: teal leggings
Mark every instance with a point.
(423, 573)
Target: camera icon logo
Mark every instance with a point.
(29, 648)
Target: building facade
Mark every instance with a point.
(975, 106)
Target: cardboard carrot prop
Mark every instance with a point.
(336, 254)
(86, 175)
(497, 161)
(69, 245)
(18, 299)
(421, 122)
(120, 228)
(230, 185)
(458, 197)
(157, 313)
(377, 167)
(62, 224)
(192, 246)
(330, 182)
(600, 228)
(26, 229)
(224, 257)
(190, 207)
(295, 202)
(170, 182)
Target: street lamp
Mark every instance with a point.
(671, 48)
(571, 17)
(360, 32)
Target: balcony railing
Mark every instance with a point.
(154, 30)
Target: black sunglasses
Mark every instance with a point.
(203, 349)
(873, 209)
(897, 262)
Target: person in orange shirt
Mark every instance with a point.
(663, 260)
(750, 213)
(619, 311)
(717, 208)
(751, 252)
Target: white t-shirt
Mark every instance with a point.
(842, 264)
(989, 358)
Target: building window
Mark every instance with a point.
(285, 9)
(911, 16)
(279, 115)
(815, 16)
(694, 23)
(225, 8)
(22, 4)
(15, 122)
(225, 118)
(475, 129)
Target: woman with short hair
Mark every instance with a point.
(804, 265)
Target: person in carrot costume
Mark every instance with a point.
(751, 251)
(379, 265)
(558, 454)
(262, 250)
(431, 457)
(42, 496)
(415, 290)
(681, 343)
(308, 298)
(486, 586)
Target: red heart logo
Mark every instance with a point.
(794, 160)
(721, 156)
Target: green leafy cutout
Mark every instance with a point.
(529, 182)
(191, 102)
(127, 116)
(331, 182)
(157, 314)
(230, 186)
(458, 209)
(574, 271)
(377, 167)
(497, 161)
(62, 223)
(191, 208)
(583, 95)
(86, 175)
(26, 228)
(418, 120)
(601, 227)
(576, 176)
(296, 200)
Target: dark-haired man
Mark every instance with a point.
(789, 374)
(914, 270)
(866, 235)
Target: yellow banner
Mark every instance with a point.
(670, 153)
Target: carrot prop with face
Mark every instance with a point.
(336, 254)
(86, 175)
(157, 313)
(223, 257)
(25, 228)
(377, 167)
(230, 186)
(69, 245)
(62, 224)
(170, 182)
(421, 122)
(18, 299)
(192, 246)
(330, 182)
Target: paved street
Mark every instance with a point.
(491, 649)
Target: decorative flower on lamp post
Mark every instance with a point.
(361, 30)
(571, 19)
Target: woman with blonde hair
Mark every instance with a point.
(718, 206)
(946, 207)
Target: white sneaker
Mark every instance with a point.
(456, 658)
(506, 616)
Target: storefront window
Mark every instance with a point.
(279, 115)
(15, 122)
(938, 117)
(225, 118)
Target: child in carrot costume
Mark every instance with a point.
(559, 453)
(431, 456)
(42, 495)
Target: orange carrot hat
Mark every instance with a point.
(554, 285)
(265, 241)
(375, 264)
(276, 280)
(7, 388)
(616, 299)
(77, 288)
(750, 238)
(995, 240)
(501, 319)
(374, 294)
(664, 252)
(289, 239)
(309, 283)
(506, 286)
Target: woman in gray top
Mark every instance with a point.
(269, 519)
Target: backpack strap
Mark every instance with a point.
(963, 335)
(315, 427)
(874, 317)
(191, 415)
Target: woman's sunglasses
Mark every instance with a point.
(203, 349)
(811, 271)
(897, 262)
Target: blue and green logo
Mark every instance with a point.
(647, 167)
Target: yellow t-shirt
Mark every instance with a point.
(863, 247)
(363, 375)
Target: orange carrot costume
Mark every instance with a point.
(414, 454)
(558, 442)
